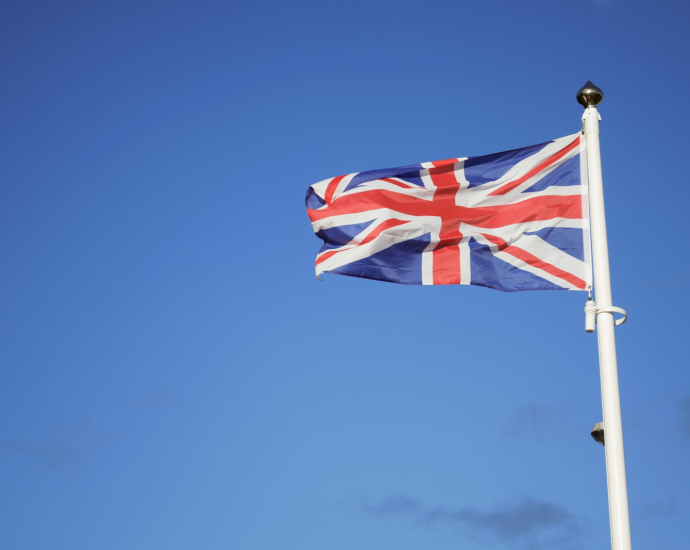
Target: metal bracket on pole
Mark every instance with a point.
(613, 309)
(592, 311)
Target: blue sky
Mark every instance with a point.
(172, 374)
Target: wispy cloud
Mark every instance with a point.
(59, 443)
(52, 455)
(80, 428)
(527, 522)
(393, 505)
(532, 419)
(659, 509)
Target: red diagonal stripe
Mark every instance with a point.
(328, 196)
(548, 162)
(532, 260)
(381, 228)
(370, 237)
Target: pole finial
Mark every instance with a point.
(590, 95)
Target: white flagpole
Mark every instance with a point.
(590, 96)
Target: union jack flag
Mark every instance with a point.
(516, 220)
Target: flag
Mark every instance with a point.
(516, 220)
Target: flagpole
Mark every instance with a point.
(590, 96)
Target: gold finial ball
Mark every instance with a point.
(589, 95)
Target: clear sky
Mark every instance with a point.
(172, 375)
